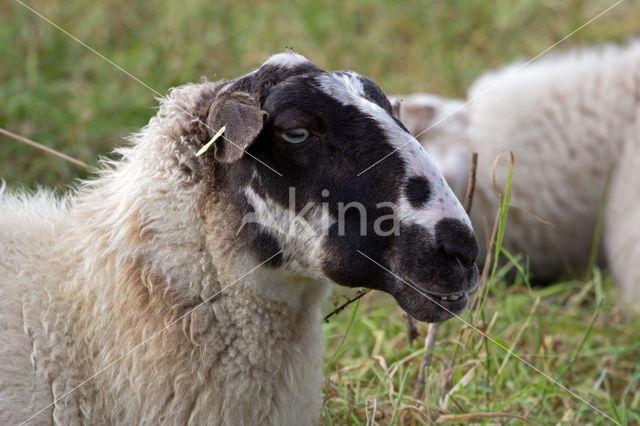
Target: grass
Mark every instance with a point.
(573, 331)
(56, 92)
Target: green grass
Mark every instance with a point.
(575, 332)
(55, 91)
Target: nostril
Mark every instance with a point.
(462, 253)
(456, 240)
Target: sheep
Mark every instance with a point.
(571, 120)
(180, 288)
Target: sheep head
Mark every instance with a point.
(297, 181)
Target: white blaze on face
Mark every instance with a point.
(347, 88)
(300, 235)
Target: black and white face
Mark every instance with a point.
(326, 200)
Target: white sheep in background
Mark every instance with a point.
(569, 119)
(93, 283)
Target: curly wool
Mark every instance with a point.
(86, 279)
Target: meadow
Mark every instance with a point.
(574, 333)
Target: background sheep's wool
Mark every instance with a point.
(57, 92)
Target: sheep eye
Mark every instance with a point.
(295, 135)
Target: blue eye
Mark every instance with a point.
(295, 135)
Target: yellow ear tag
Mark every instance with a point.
(213, 139)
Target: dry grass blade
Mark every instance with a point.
(429, 345)
(47, 150)
(478, 415)
(471, 184)
(412, 330)
(512, 160)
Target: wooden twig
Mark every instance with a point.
(47, 150)
(429, 345)
(345, 304)
(471, 184)
(430, 340)
(412, 330)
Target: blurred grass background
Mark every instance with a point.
(57, 92)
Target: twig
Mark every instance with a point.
(412, 330)
(345, 304)
(429, 345)
(430, 340)
(471, 183)
(47, 150)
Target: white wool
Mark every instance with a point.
(568, 119)
(87, 278)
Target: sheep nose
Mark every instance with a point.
(455, 239)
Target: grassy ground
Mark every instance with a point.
(57, 92)
(572, 331)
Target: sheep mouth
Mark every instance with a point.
(429, 306)
(448, 299)
(452, 304)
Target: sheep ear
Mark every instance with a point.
(396, 106)
(243, 120)
(417, 116)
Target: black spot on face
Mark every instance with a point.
(418, 191)
(264, 245)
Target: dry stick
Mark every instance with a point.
(47, 150)
(430, 340)
(471, 184)
(429, 345)
(412, 330)
(345, 304)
